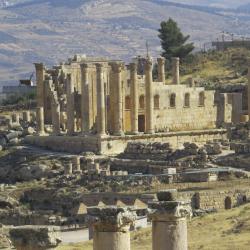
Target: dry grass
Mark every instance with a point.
(226, 230)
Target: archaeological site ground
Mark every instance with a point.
(135, 152)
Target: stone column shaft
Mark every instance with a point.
(85, 107)
(15, 118)
(149, 111)
(176, 70)
(111, 227)
(56, 120)
(117, 73)
(161, 69)
(40, 120)
(40, 71)
(134, 98)
(70, 106)
(101, 114)
(26, 116)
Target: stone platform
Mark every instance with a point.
(111, 145)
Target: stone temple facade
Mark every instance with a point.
(99, 105)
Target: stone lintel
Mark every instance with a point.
(111, 218)
(170, 210)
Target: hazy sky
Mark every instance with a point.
(218, 3)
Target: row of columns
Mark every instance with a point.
(117, 68)
(110, 226)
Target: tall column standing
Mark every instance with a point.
(111, 227)
(70, 106)
(101, 116)
(161, 69)
(117, 70)
(85, 107)
(56, 120)
(40, 84)
(134, 98)
(149, 97)
(176, 70)
(169, 225)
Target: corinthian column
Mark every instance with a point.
(149, 97)
(101, 116)
(111, 227)
(176, 70)
(85, 98)
(161, 69)
(117, 71)
(40, 84)
(134, 98)
(169, 224)
(70, 106)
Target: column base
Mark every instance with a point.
(121, 133)
(151, 132)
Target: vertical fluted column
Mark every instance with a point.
(161, 69)
(118, 115)
(85, 107)
(134, 98)
(40, 120)
(70, 106)
(40, 84)
(111, 227)
(176, 70)
(149, 97)
(101, 116)
(169, 224)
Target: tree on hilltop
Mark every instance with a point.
(173, 42)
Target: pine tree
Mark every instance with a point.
(173, 42)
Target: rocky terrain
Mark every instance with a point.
(49, 30)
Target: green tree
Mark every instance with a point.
(173, 42)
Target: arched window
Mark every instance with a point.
(127, 102)
(156, 101)
(187, 100)
(201, 99)
(141, 102)
(172, 101)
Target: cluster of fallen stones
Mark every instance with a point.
(15, 128)
(241, 147)
(240, 131)
(154, 150)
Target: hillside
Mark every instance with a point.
(226, 230)
(50, 30)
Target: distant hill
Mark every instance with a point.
(52, 30)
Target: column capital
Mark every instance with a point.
(176, 59)
(112, 218)
(117, 66)
(148, 64)
(161, 60)
(168, 208)
(39, 66)
(133, 67)
(84, 65)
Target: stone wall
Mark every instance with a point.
(111, 145)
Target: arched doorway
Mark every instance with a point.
(228, 203)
